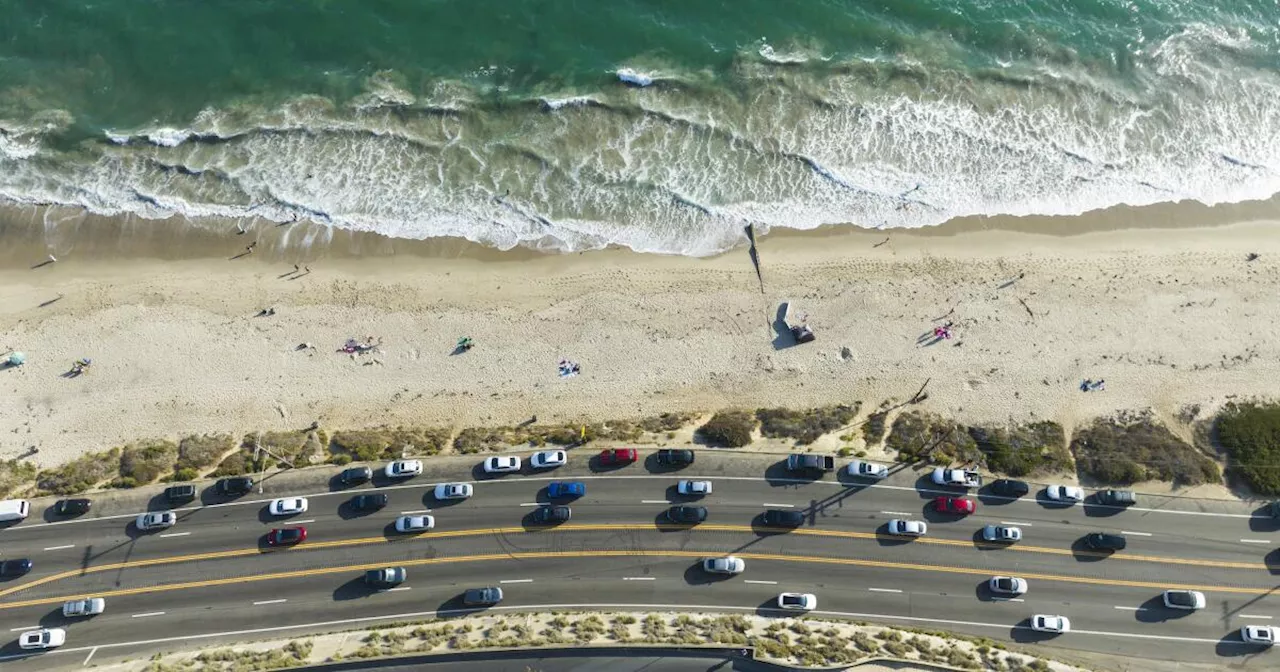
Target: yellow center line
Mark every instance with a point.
(536, 555)
(611, 527)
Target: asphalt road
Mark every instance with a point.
(618, 551)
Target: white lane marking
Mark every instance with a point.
(895, 513)
(1246, 541)
(299, 522)
(780, 506)
(1130, 608)
(638, 578)
(1010, 599)
(1015, 523)
(59, 548)
(149, 613)
(1266, 618)
(763, 583)
(89, 657)
(549, 607)
(174, 534)
(262, 602)
(654, 501)
(410, 513)
(517, 581)
(1136, 534)
(884, 590)
(392, 590)
(532, 504)
(25, 627)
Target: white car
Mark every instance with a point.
(861, 469)
(548, 459)
(798, 601)
(1259, 634)
(44, 638)
(694, 487)
(415, 523)
(1064, 493)
(404, 468)
(908, 528)
(729, 564)
(453, 491)
(90, 606)
(502, 464)
(288, 507)
(156, 520)
(1190, 600)
(1001, 533)
(1047, 623)
(1007, 585)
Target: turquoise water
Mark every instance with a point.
(659, 125)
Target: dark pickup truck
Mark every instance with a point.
(1117, 498)
(811, 463)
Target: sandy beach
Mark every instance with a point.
(1169, 317)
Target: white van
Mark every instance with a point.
(14, 509)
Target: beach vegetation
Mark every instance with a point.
(146, 461)
(729, 428)
(15, 476)
(805, 425)
(1131, 448)
(918, 436)
(873, 427)
(79, 475)
(1024, 449)
(236, 464)
(201, 451)
(1250, 433)
(385, 443)
(666, 422)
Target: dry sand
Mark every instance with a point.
(1168, 317)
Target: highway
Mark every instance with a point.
(211, 576)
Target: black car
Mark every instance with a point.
(181, 493)
(687, 514)
(782, 518)
(674, 457)
(551, 515)
(1006, 487)
(355, 475)
(1103, 541)
(12, 568)
(387, 577)
(1117, 498)
(1274, 509)
(482, 597)
(368, 502)
(236, 485)
(72, 507)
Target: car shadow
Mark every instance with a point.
(1262, 521)
(479, 474)
(11, 651)
(980, 542)
(55, 619)
(695, 575)
(673, 495)
(927, 489)
(347, 510)
(769, 609)
(853, 483)
(336, 484)
(1023, 634)
(355, 589)
(1096, 509)
(265, 517)
(159, 502)
(783, 337)
(392, 535)
(1154, 611)
(430, 500)
(982, 591)
(885, 539)
(987, 497)
(530, 523)
(760, 529)
(777, 475)
(1082, 553)
(665, 524)
(131, 530)
(1233, 646)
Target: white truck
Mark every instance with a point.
(960, 478)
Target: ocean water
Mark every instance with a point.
(660, 125)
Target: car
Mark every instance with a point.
(502, 464)
(370, 502)
(1069, 494)
(1001, 533)
(16, 567)
(453, 491)
(156, 520)
(1048, 623)
(908, 528)
(863, 469)
(89, 606)
(236, 485)
(72, 507)
(415, 523)
(1117, 498)
(44, 638)
(403, 468)
(1274, 509)
(288, 506)
(548, 459)
(1007, 585)
(1190, 600)
(387, 577)
(1007, 487)
(566, 489)
(482, 597)
(782, 518)
(797, 601)
(675, 457)
(694, 488)
(1265, 635)
(551, 515)
(286, 536)
(688, 515)
(957, 505)
(1105, 541)
(617, 457)
(729, 564)
(180, 494)
(355, 475)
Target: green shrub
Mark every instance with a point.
(124, 482)
(1250, 433)
(864, 642)
(666, 422)
(236, 464)
(15, 475)
(187, 474)
(1127, 449)
(340, 459)
(202, 451)
(145, 462)
(805, 426)
(731, 429)
(924, 437)
(873, 427)
(79, 475)
(1023, 449)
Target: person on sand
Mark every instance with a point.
(1086, 385)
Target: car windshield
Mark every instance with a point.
(1181, 598)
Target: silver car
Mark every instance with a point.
(1190, 600)
(453, 491)
(156, 520)
(729, 564)
(1049, 623)
(90, 606)
(415, 523)
(1000, 533)
(1007, 585)
(908, 528)
(45, 638)
(694, 488)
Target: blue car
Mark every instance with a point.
(566, 489)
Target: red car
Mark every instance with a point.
(287, 536)
(954, 505)
(617, 457)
